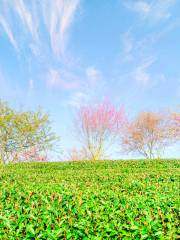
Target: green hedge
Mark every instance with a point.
(90, 200)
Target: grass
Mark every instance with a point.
(90, 200)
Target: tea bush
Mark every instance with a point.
(90, 200)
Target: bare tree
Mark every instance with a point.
(77, 155)
(97, 126)
(176, 125)
(148, 134)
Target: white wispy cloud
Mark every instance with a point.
(26, 17)
(144, 75)
(153, 10)
(31, 84)
(141, 7)
(8, 31)
(58, 17)
(45, 28)
(91, 87)
(128, 46)
(35, 49)
(28, 24)
(93, 75)
(141, 73)
(127, 42)
(78, 99)
(61, 79)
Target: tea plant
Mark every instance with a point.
(90, 200)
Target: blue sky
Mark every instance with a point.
(63, 53)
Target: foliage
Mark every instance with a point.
(30, 155)
(22, 131)
(97, 127)
(90, 200)
(149, 134)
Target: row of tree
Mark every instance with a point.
(101, 126)
(28, 136)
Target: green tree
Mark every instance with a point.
(22, 130)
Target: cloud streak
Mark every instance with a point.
(43, 26)
(141, 73)
(60, 79)
(152, 10)
(26, 17)
(78, 99)
(57, 15)
(8, 31)
(93, 75)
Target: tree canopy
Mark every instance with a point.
(21, 131)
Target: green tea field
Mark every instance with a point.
(136, 199)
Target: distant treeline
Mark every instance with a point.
(28, 136)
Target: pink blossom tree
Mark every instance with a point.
(97, 128)
(33, 154)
